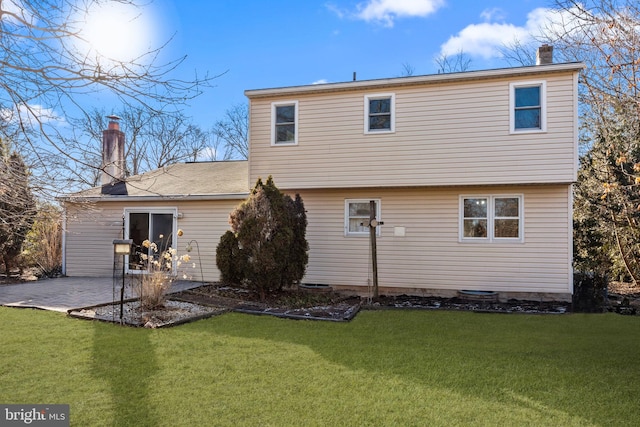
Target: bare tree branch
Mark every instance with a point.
(458, 63)
(49, 78)
(233, 129)
(153, 139)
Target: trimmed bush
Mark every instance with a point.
(266, 249)
(228, 258)
(589, 292)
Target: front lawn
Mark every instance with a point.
(383, 368)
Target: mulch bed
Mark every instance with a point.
(299, 304)
(292, 304)
(623, 298)
(470, 304)
(212, 299)
(172, 314)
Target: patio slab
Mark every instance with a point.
(66, 293)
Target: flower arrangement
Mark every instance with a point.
(161, 265)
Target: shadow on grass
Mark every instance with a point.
(126, 360)
(583, 367)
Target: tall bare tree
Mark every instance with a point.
(48, 77)
(233, 129)
(172, 139)
(152, 140)
(605, 35)
(408, 70)
(453, 64)
(216, 149)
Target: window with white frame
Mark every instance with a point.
(379, 112)
(357, 213)
(491, 218)
(528, 107)
(155, 225)
(284, 123)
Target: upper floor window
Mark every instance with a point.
(379, 113)
(528, 107)
(491, 218)
(357, 215)
(284, 120)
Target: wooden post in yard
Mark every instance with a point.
(374, 250)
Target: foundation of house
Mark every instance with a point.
(364, 291)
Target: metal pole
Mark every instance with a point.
(121, 247)
(122, 292)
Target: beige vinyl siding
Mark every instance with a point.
(89, 234)
(91, 229)
(445, 134)
(430, 255)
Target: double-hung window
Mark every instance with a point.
(155, 225)
(284, 123)
(491, 218)
(379, 111)
(528, 107)
(357, 213)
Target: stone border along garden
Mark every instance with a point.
(211, 300)
(174, 313)
(215, 299)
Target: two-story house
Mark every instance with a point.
(469, 173)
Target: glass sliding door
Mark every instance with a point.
(161, 230)
(157, 226)
(138, 232)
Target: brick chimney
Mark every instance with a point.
(544, 55)
(113, 164)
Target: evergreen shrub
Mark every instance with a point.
(266, 249)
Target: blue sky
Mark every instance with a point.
(264, 44)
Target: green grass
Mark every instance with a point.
(384, 368)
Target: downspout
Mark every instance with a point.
(64, 240)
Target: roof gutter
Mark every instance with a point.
(186, 197)
(414, 80)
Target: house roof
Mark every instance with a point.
(197, 180)
(414, 80)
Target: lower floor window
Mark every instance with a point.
(357, 215)
(155, 226)
(491, 218)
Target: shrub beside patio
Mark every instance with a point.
(383, 368)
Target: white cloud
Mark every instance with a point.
(31, 115)
(495, 14)
(387, 11)
(485, 40)
(335, 9)
(320, 82)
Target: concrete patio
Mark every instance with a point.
(65, 293)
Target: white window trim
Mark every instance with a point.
(348, 233)
(273, 123)
(491, 219)
(542, 84)
(374, 96)
(150, 210)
